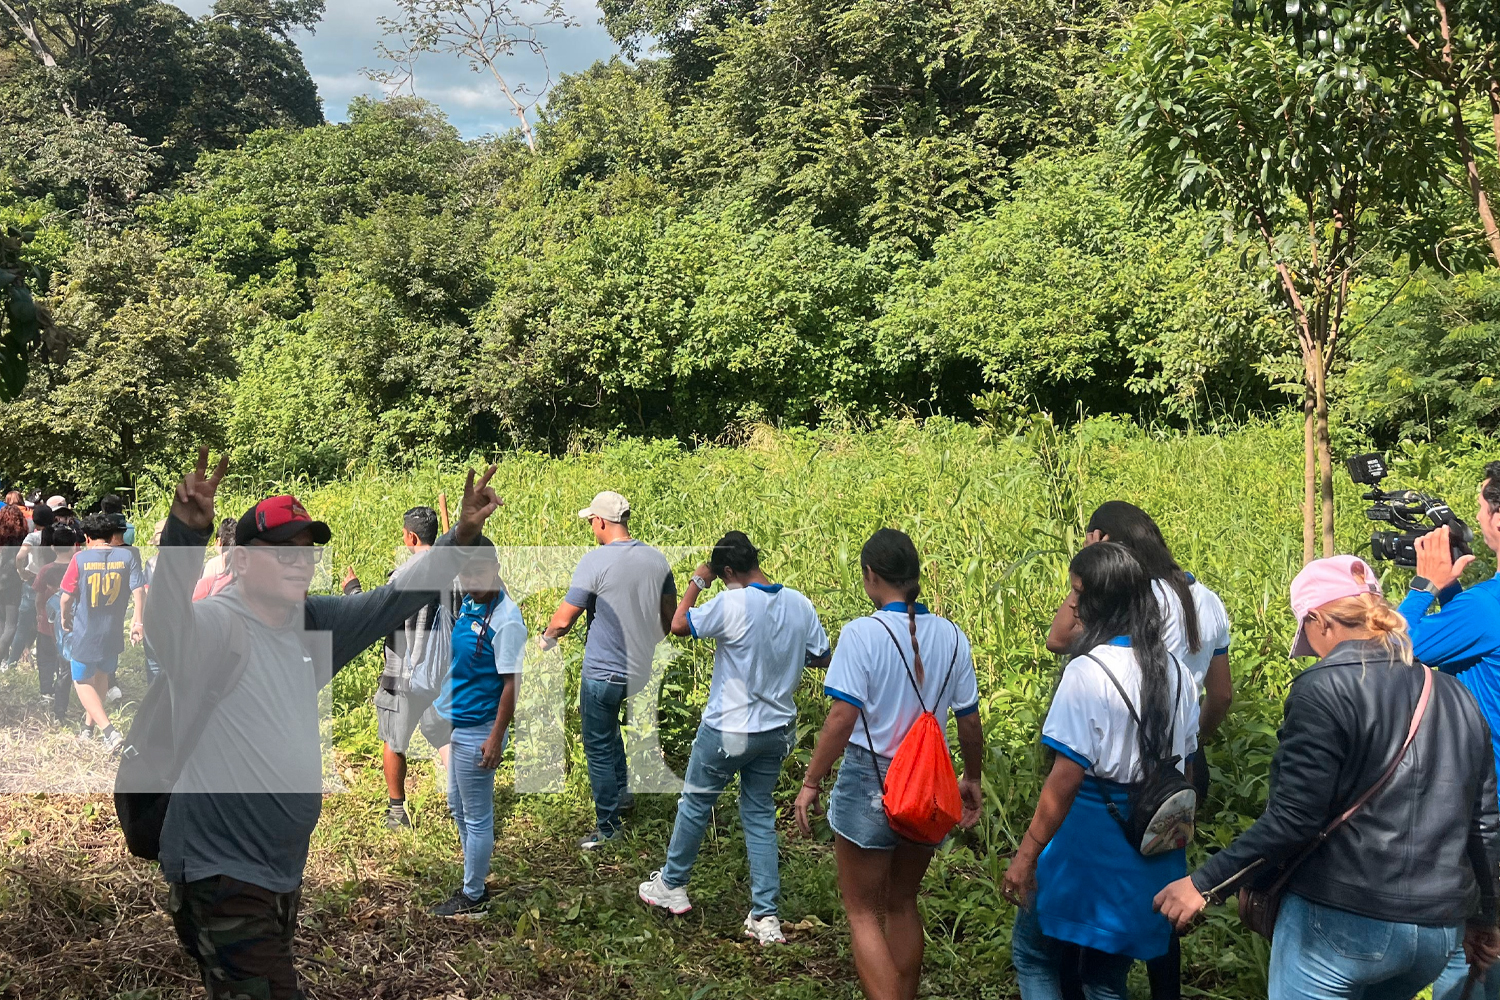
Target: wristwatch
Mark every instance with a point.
(701, 583)
(1424, 584)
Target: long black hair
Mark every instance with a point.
(892, 556)
(1133, 528)
(1115, 598)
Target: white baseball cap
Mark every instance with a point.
(57, 503)
(608, 505)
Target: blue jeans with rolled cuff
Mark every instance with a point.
(716, 758)
(471, 800)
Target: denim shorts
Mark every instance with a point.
(856, 809)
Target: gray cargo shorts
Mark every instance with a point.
(399, 716)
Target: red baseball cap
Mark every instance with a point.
(276, 519)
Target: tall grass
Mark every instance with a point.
(996, 518)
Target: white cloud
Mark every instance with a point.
(345, 41)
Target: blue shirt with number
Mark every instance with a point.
(101, 581)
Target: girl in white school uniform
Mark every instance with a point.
(1195, 629)
(1077, 879)
(887, 668)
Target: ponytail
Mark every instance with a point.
(892, 556)
(1374, 614)
(911, 620)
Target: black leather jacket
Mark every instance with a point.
(1425, 849)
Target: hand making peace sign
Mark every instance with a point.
(480, 501)
(193, 504)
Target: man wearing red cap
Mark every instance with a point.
(235, 837)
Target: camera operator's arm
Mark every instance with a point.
(1465, 629)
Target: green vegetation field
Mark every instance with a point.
(995, 516)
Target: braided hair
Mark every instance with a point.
(892, 556)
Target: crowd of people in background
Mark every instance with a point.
(1376, 861)
(67, 582)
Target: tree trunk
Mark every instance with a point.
(1325, 452)
(1309, 471)
(33, 36)
(1476, 183)
(1461, 134)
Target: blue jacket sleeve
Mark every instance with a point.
(1456, 637)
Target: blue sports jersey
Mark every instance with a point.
(100, 581)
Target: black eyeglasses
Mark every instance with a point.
(292, 555)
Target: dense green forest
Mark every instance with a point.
(807, 212)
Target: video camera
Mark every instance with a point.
(1412, 514)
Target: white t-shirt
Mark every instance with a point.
(32, 543)
(868, 672)
(1213, 627)
(1090, 724)
(765, 635)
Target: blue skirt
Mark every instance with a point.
(1095, 890)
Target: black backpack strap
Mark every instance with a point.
(909, 675)
(226, 677)
(1118, 687)
(874, 757)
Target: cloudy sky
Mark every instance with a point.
(344, 44)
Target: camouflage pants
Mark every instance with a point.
(240, 935)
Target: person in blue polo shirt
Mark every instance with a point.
(479, 701)
(765, 634)
(1463, 638)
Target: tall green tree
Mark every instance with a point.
(1300, 164)
(146, 376)
(1442, 55)
(179, 85)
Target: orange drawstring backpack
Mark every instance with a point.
(920, 787)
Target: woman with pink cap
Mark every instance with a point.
(1381, 824)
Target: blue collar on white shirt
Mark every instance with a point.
(769, 588)
(1120, 640)
(899, 607)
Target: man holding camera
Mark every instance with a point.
(1463, 638)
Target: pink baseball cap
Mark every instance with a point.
(1324, 581)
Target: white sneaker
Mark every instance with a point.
(112, 695)
(112, 740)
(658, 893)
(766, 930)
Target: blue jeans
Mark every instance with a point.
(25, 625)
(1450, 985)
(599, 708)
(1322, 953)
(716, 758)
(471, 800)
(1040, 961)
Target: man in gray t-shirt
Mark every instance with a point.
(235, 837)
(627, 589)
